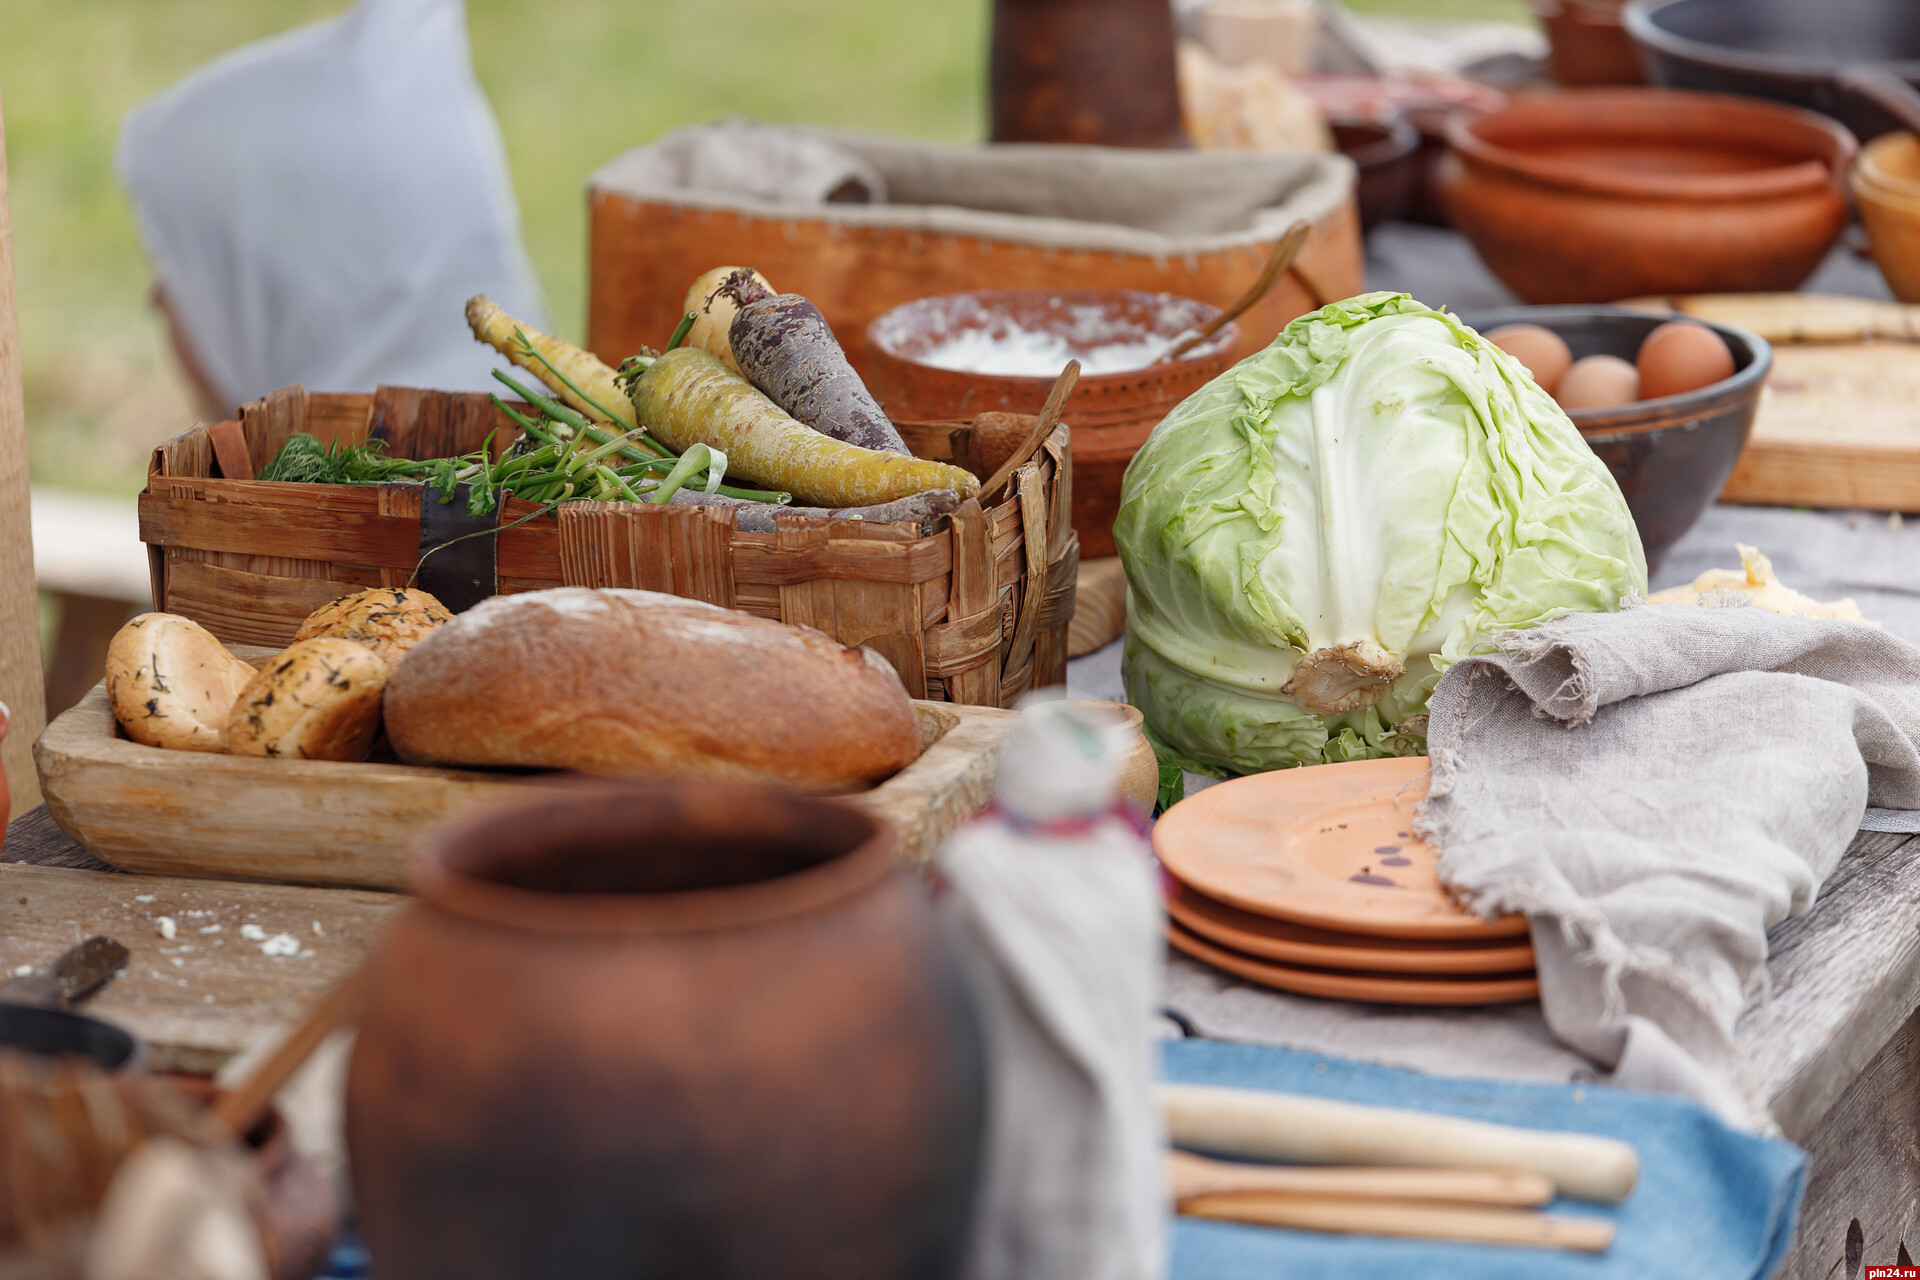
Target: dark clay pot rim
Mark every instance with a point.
(1397, 139)
(1660, 108)
(1217, 350)
(436, 873)
(1641, 417)
(1640, 17)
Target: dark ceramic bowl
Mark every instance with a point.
(1787, 50)
(1383, 149)
(62, 1031)
(1671, 456)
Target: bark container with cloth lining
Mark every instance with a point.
(916, 219)
(975, 612)
(703, 1030)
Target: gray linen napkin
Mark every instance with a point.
(1656, 788)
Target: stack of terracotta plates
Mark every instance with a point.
(1311, 880)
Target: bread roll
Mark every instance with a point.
(635, 682)
(171, 683)
(388, 620)
(319, 700)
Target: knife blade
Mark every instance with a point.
(71, 977)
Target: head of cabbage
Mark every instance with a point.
(1316, 535)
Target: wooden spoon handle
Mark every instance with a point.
(1189, 1175)
(1420, 1218)
(1042, 428)
(241, 1108)
(1283, 255)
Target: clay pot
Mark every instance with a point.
(1110, 414)
(1426, 102)
(1587, 43)
(1096, 72)
(668, 1031)
(1886, 186)
(1598, 194)
(1670, 456)
(1383, 150)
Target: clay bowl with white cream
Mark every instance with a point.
(950, 357)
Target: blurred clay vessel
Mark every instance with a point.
(690, 1031)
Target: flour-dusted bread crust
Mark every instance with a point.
(318, 700)
(388, 620)
(638, 683)
(172, 684)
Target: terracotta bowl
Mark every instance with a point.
(1597, 194)
(1786, 50)
(1587, 43)
(1111, 414)
(1886, 186)
(1384, 149)
(1671, 456)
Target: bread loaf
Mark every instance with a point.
(317, 700)
(171, 683)
(638, 683)
(388, 620)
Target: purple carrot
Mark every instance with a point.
(786, 348)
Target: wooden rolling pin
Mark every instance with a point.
(1189, 1176)
(1421, 1218)
(1287, 1127)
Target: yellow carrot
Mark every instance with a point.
(593, 392)
(688, 397)
(713, 314)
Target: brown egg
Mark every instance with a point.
(1597, 382)
(1542, 350)
(1681, 356)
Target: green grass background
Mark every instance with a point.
(573, 82)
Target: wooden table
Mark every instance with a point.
(1835, 1049)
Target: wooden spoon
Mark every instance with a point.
(1189, 1175)
(1042, 428)
(1283, 255)
(243, 1107)
(1422, 1219)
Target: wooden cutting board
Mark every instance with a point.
(209, 991)
(157, 812)
(1839, 419)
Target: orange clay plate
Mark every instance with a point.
(1329, 845)
(1358, 986)
(1280, 940)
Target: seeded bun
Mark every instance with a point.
(319, 700)
(171, 683)
(638, 683)
(388, 620)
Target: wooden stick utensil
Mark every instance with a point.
(1283, 255)
(242, 1107)
(1042, 428)
(1288, 1127)
(1189, 1176)
(1421, 1218)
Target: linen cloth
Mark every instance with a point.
(320, 205)
(1053, 901)
(1655, 789)
(1711, 1202)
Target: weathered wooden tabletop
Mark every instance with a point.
(1835, 1047)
